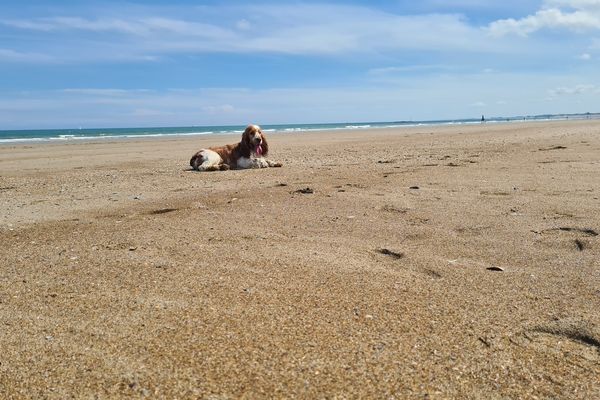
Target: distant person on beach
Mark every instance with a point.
(482, 119)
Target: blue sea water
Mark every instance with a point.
(47, 135)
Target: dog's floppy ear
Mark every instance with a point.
(264, 145)
(245, 144)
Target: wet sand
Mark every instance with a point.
(430, 262)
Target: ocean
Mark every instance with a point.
(52, 135)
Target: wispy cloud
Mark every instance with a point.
(219, 109)
(384, 71)
(104, 92)
(574, 90)
(478, 104)
(76, 23)
(150, 26)
(576, 4)
(9, 55)
(439, 96)
(595, 45)
(303, 29)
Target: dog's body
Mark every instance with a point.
(250, 152)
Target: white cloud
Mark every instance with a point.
(585, 57)
(575, 15)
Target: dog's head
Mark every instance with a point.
(254, 141)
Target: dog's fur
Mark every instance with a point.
(250, 152)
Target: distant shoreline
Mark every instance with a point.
(75, 135)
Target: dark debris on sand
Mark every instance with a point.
(553, 148)
(306, 190)
(388, 252)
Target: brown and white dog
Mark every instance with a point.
(250, 152)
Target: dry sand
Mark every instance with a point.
(124, 274)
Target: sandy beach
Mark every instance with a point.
(427, 262)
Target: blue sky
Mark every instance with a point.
(174, 63)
